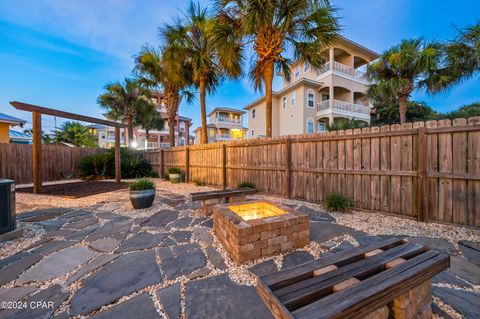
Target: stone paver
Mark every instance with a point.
(316, 215)
(16, 293)
(183, 222)
(216, 259)
(142, 240)
(81, 224)
(182, 236)
(320, 231)
(57, 264)
(438, 244)
(296, 258)
(14, 269)
(95, 263)
(170, 299)
(219, 297)
(446, 277)
(464, 268)
(54, 294)
(264, 268)
(106, 244)
(181, 259)
(465, 302)
(110, 228)
(161, 219)
(126, 274)
(53, 246)
(140, 306)
(470, 250)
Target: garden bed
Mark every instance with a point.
(77, 189)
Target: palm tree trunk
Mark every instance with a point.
(402, 103)
(130, 130)
(203, 109)
(146, 138)
(268, 78)
(171, 129)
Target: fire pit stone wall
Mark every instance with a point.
(250, 239)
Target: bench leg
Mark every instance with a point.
(237, 198)
(206, 206)
(415, 303)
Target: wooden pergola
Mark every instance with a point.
(37, 112)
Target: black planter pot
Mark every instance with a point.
(142, 199)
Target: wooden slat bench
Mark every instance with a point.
(389, 279)
(208, 199)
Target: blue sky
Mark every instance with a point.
(61, 53)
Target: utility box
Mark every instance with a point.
(7, 206)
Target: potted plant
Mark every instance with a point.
(142, 193)
(174, 175)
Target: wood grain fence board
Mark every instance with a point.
(378, 168)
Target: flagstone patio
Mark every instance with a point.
(101, 259)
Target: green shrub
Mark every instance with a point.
(134, 165)
(199, 182)
(337, 202)
(246, 184)
(96, 166)
(166, 177)
(141, 184)
(174, 170)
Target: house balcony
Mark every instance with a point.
(341, 69)
(226, 122)
(343, 109)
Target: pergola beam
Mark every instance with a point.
(37, 112)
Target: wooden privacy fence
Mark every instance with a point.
(58, 161)
(427, 171)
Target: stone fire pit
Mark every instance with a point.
(254, 229)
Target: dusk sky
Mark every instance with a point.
(60, 53)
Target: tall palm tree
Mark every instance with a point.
(282, 33)
(123, 101)
(75, 133)
(403, 68)
(149, 119)
(462, 59)
(195, 34)
(166, 69)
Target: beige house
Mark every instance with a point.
(224, 124)
(314, 98)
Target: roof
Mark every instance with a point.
(4, 118)
(282, 91)
(357, 47)
(226, 109)
(15, 135)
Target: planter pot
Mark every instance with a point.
(175, 178)
(142, 199)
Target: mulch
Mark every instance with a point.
(77, 189)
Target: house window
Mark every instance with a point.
(212, 133)
(310, 98)
(321, 126)
(293, 98)
(253, 132)
(182, 141)
(253, 113)
(284, 102)
(182, 126)
(103, 136)
(306, 67)
(297, 72)
(310, 125)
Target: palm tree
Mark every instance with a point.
(123, 102)
(166, 69)
(403, 68)
(301, 28)
(75, 133)
(195, 34)
(462, 59)
(149, 119)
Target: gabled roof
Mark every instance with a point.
(4, 118)
(226, 109)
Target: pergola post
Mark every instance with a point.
(118, 171)
(37, 153)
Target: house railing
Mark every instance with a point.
(344, 69)
(343, 106)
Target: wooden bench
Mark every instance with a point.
(208, 199)
(389, 279)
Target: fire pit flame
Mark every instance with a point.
(256, 210)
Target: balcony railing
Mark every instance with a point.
(343, 106)
(228, 120)
(344, 69)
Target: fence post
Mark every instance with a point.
(422, 182)
(224, 166)
(187, 164)
(162, 167)
(288, 156)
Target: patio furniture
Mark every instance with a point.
(208, 199)
(389, 279)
